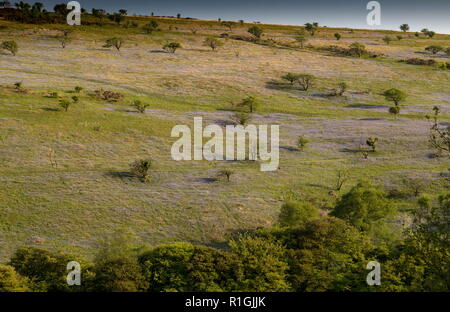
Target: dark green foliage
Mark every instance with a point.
(364, 206)
(296, 214)
(11, 281)
(395, 95)
(256, 31)
(150, 27)
(338, 36)
(212, 43)
(263, 262)
(46, 270)
(140, 169)
(114, 42)
(250, 103)
(434, 49)
(10, 46)
(404, 27)
(166, 267)
(171, 47)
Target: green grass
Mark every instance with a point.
(89, 193)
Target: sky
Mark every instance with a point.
(419, 14)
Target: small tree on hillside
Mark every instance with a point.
(306, 81)
(226, 173)
(338, 36)
(140, 107)
(296, 214)
(357, 49)
(114, 42)
(342, 87)
(171, 47)
(212, 43)
(241, 118)
(387, 40)
(140, 168)
(434, 49)
(10, 46)
(116, 18)
(302, 142)
(250, 102)
(292, 78)
(439, 135)
(228, 24)
(311, 28)
(150, 27)
(372, 142)
(404, 27)
(65, 104)
(395, 95)
(256, 31)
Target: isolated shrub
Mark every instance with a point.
(228, 24)
(116, 18)
(434, 49)
(226, 173)
(395, 110)
(439, 136)
(306, 81)
(78, 89)
(140, 107)
(18, 85)
(140, 168)
(292, 78)
(418, 61)
(171, 47)
(302, 142)
(10, 46)
(150, 27)
(241, 118)
(404, 27)
(64, 40)
(395, 95)
(75, 99)
(342, 87)
(109, 96)
(212, 43)
(256, 31)
(11, 281)
(372, 142)
(296, 214)
(65, 104)
(250, 103)
(338, 36)
(311, 28)
(399, 37)
(114, 42)
(357, 49)
(387, 39)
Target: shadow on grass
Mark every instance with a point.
(206, 180)
(290, 148)
(120, 175)
(366, 106)
(50, 109)
(277, 85)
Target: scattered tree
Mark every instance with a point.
(140, 107)
(114, 42)
(404, 27)
(171, 47)
(241, 118)
(387, 40)
(226, 173)
(256, 31)
(10, 46)
(311, 28)
(372, 142)
(342, 177)
(292, 78)
(212, 43)
(302, 142)
(338, 36)
(306, 81)
(439, 136)
(140, 168)
(434, 49)
(150, 27)
(395, 95)
(65, 104)
(249, 102)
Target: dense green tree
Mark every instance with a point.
(395, 95)
(46, 270)
(166, 267)
(404, 27)
(364, 206)
(264, 266)
(295, 214)
(11, 281)
(256, 31)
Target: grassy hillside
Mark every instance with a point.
(64, 178)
